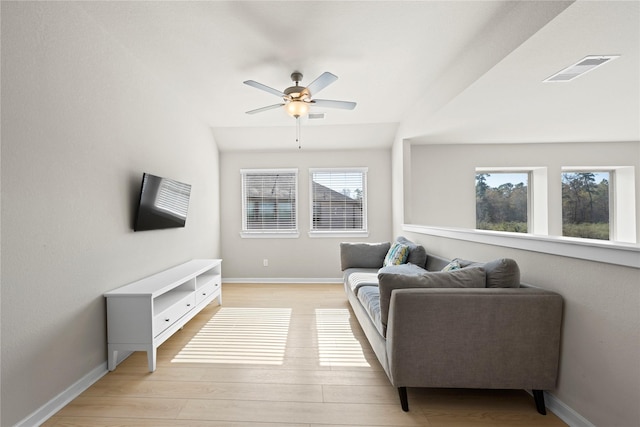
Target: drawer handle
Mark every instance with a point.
(166, 320)
(204, 293)
(189, 305)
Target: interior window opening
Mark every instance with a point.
(502, 201)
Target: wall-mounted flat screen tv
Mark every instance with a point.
(163, 203)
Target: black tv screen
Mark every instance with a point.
(163, 203)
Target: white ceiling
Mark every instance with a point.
(441, 71)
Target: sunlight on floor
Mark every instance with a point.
(337, 346)
(240, 335)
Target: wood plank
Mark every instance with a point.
(327, 376)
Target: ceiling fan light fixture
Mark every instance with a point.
(297, 108)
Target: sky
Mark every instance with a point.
(497, 179)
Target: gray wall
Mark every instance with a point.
(81, 121)
(305, 257)
(599, 371)
(431, 199)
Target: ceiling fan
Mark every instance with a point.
(297, 100)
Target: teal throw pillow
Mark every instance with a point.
(453, 265)
(397, 254)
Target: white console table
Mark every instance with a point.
(144, 314)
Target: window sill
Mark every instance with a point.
(625, 254)
(341, 233)
(269, 234)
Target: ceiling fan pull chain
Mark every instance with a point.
(298, 131)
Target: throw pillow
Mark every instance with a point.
(397, 254)
(501, 272)
(417, 253)
(453, 265)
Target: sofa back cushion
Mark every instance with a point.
(363, 255)
(501, 273)
(471, 277)
(436, 263)
(417, 253)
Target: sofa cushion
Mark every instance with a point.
(436, 263)
(501, 273)
(471, 277)
(369, 297)
(363, 255)
(396, 255)
(417, 253)
(356, 278)
(407, 268)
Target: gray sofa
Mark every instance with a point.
(475, 326)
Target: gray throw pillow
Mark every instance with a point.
(472, 277)
(417, 253)
(501, 273)
(363, 255)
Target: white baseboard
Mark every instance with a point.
(271, 280)
(50, 408)
(565, 413)
(60, 401)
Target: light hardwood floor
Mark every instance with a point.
(279, 355)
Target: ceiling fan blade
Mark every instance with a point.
(329, 103)
(321, 82)
(260, 110)
(265, 88)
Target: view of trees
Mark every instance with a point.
(355, 194)
(501, 208)
(585, 205)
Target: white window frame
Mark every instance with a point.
(537, 196)
(364, 232)
(622, 200)
(267, 233)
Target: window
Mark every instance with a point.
(502, 201)
(269, 202)
(338, 201)
(599, 203)
(585, 204)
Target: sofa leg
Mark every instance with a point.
(538, 395)
(404, 401)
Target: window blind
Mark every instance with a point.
(338, 200)
(269, 200)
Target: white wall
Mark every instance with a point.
(81, 121)
(599, 371)
(304, 257)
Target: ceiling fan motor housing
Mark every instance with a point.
(297, 93)
(296, 77)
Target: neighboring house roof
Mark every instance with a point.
(322, 193)
(269, 189)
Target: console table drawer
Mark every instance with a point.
(206, 291)
(168, 316)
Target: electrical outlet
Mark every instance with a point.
(265, 262)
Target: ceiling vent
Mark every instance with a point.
(316, 116)
(585, 65)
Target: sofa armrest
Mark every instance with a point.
(474, 338)
(363, 255)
